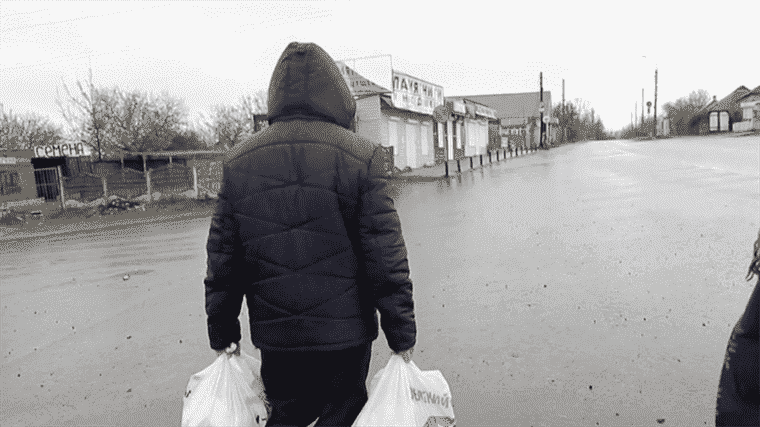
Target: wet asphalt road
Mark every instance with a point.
(593, 283)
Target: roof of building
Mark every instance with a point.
(730, 102)
(708, 106)
(755, 91)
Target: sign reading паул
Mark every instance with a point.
(62, 150)
(415, 95)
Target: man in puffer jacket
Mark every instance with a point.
(738, 401)
(306, 229)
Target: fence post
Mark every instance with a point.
(481, 160)
(459, 167)
(446, 163)
(147, 181)
(470, 162)
(105, 188)
(489, 158)
(60, 184)
(195, 181)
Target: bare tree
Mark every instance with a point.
(142, 122)
(26, 131)
(188, 138)
(255, 104)
(233, 124)
(684, 109)
(85, 113)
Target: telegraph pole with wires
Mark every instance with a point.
(564, 115)
(541, 109)
(642, 110)
(655, 104)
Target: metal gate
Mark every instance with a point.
(47, 183)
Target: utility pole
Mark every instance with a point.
(655, 103)
(564, 115)
(635, 117)
(642, 108)
(541, 110)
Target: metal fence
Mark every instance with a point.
(172, 178)
(84, 187)
(47, 183)
(128, 183)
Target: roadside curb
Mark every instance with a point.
(12, 233)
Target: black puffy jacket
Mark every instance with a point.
(738, 402)
(305, 227)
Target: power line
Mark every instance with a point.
(43, 24)
(67, 59)
(23, 13)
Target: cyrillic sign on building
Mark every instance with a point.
(486, 112)
(358, 84)
(62, 150)
(416, 95)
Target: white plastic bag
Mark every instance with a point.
(402, 395)
(228, 393)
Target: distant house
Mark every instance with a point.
(750, 105)
(727, 111)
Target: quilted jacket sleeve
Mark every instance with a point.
(224, 296)
(385, 257)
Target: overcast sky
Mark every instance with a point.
(212, 53)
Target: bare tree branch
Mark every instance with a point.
(27, 131)
(231, 125)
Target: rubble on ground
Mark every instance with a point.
(116, 205)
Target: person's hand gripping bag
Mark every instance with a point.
(401, 394)
(228, 393)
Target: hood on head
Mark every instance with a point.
(306, 83)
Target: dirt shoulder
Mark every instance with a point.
(76, 220)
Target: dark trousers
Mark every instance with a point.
(302, 386)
